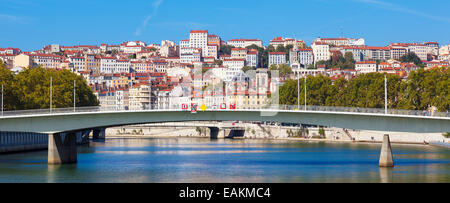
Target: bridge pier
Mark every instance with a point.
(62, 152)
(214, 133)
(85, 137)
(386, 158)
(99, 134)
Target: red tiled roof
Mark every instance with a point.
(366, 62)
(199, 31)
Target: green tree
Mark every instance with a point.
(9, 89)
(132, 56)
(225, 49)
(420, 90)
(322, 132)
(285, 70)
(411, 57)
(247, 68)
(262, 55)
(270, 48)
(289, 92)
(32, 90)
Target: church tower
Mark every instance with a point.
(293, 54)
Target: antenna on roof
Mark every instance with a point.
(342, 32)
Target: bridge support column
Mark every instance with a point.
(62, 152)
(386, 158)
(99, 134)
(85, 137)
(214, 133)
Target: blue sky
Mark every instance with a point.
(30, 25)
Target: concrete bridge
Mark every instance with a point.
(69, 123)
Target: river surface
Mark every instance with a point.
(197, 160)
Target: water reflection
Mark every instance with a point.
(386, 175)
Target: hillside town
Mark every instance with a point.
(204, 69)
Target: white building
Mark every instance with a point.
(45, 60)
(359, 53)
(342, 41)
(252, 58)
(305, 57)
(212, 51)
(444, 57)
(122, 66)
(238, 53)
(366, 67)
(184, 43)
(233, 67)
(243, 43)
(433, 48)
(378, 53)
(139, 97)
(398, 52)
(321, 51)
(132, 49)
(420, 50)
(160, 66)
(302, 72)
(9, 50)
(79, 63)
(190, 55)
(277, 58)
(199, 39)
(114, 100)
(122, 98)
(444, 50)
(302, 57)
(275, 42)
(113, 65)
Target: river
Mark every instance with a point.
(194, 160)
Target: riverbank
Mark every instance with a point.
(256, 131)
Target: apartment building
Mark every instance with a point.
(239, 53)
(366, 67)
(321, 51)
(252, 58)
(243, 43)
(277, 58)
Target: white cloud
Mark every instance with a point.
(155, 6)
(5, 18)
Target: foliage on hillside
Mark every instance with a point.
(30, 89)
(422, 88)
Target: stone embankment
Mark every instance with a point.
(256, 131)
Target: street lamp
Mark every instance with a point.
(298, 90)
(74, 97)
(385, 95)
(2, 100)
(305, 92)
(51, 94)
(150, 92)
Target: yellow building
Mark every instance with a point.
(23, 61)
(121, 81)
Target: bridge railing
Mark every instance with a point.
(365, 110)
(53, 111)
(424, 113)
